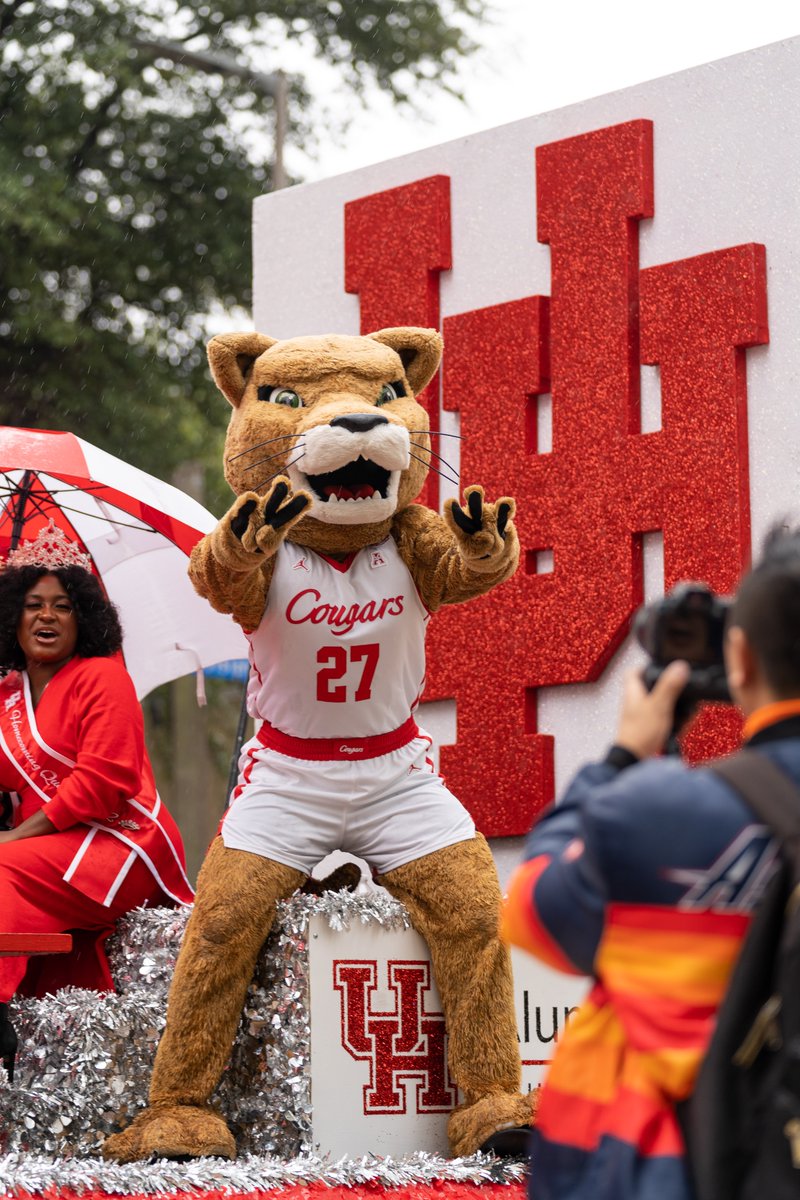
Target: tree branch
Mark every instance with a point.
(78, 160)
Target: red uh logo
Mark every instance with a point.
(407, 1044)
(588, 496)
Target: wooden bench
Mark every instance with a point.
(16, 944)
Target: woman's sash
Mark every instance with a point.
(112, 842)
(42, 768)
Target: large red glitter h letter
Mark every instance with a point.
(588, 500)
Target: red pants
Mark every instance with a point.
(35, 899)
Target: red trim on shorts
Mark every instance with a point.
(345, 748)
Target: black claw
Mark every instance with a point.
(295, 506)
(474, 522)
(503, 513)
(279, 494)
(240, 521)
(463, 521)
(476, 509)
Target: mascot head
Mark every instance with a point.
(338, 416)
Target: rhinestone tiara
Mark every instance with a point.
(50, 548)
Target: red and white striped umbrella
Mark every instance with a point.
(138, 531)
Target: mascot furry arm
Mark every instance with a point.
(326, 450)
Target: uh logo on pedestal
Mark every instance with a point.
(586, 501)
(406, 1044)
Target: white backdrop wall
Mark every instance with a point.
(727, 172)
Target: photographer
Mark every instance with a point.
(645, 877)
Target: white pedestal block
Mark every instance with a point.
(379, 1080)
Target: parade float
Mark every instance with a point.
(600, 276)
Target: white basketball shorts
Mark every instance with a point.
(388, 810)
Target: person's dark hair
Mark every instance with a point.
(767, 608)
(99, 630)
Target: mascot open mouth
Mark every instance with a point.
(358, 493)
(353, 477)
(358, 480)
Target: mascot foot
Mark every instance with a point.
(501, 1118)
(178, 1131)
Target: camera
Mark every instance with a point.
(688, 623)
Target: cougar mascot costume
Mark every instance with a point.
(333, 573)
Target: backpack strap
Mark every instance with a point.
(718, 1120)
(771, 794)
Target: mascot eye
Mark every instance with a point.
(279, 395)
(391, 391)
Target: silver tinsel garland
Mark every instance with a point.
(35, 1174)
(85, 1060)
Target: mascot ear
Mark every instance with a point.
(231, 357)
(420, 352)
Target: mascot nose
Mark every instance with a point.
(359, 422)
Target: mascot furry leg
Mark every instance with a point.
(233, 913)
(454, 901)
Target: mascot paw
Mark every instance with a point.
(500, 1117)
(262, 522)
(177, 1131)
(482, 530)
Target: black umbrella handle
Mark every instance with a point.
(233, 774)
(21, 499)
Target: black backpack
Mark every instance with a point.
(742, 1122)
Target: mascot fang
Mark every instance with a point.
(333, 573)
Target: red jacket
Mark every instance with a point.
(81, 756)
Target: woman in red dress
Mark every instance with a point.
(90, 838)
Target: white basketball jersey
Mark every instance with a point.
(340, 651)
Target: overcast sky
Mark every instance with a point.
(543, 54)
